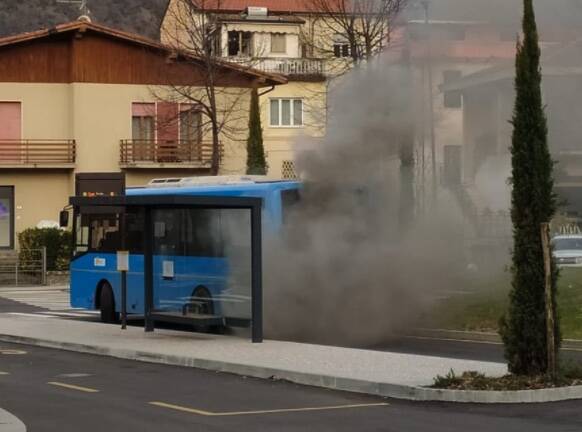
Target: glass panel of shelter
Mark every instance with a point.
(202, 266)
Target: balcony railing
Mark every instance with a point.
(284, 66)
(181, 152)
(37, 152)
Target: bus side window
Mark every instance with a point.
(167, 232)
(289, 200)
(202, 233)
(134, 229)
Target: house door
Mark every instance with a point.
(6, 217)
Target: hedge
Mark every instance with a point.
(58, 245)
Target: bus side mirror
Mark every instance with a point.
(64, 219)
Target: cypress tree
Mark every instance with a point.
(533, 202)
(256, 163)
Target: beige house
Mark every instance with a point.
(82, 98)
(279, 37)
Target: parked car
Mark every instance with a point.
(568, 250)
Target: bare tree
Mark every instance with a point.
(354, 29)
(193, 31)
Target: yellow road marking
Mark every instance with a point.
(274, 411)
(73, 387)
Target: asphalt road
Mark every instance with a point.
(56, 390)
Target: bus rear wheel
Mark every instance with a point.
(107, 305)
(203, 305)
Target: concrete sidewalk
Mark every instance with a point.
(10, 423)
(364, 371)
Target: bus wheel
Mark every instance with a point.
(107, 305)
(202, 305)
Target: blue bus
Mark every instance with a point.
(200, 255)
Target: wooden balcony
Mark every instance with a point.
(37, 153)
(166, 154)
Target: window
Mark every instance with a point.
(341, 50)
(10, 117)
(202, 234)
(6, 217)
(452, 99)
(143, 121)
(134, 229)
(194, 232)
(99, 232)
(341, 47)
(239, 44)
(278, 43)
(286, 112)
(289, 200)
(167, 235)
(190, 123)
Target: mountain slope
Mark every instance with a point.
(137, 16)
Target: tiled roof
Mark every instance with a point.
(278, 6)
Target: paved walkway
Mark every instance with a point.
(46, 297)
(45, 301)
(373, 372)
(10, 423)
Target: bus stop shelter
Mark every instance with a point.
(149, 204)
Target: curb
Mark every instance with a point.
(470, 336)
(10, 423)
(396, 391)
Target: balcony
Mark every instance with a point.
(293, 68)
(166, 154)
(37, 153)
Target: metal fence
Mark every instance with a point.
(24, 267)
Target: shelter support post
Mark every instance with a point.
(148, 271)
(256, 275)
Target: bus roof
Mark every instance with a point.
(247, 187)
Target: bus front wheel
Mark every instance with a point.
(107, 305)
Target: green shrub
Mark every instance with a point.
(58, 245)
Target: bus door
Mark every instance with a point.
(167, 259)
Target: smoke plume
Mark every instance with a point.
(348, 270)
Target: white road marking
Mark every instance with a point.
(74, 375)
(55, 300)
(68, 314)
(33, 315)
(11, 352)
